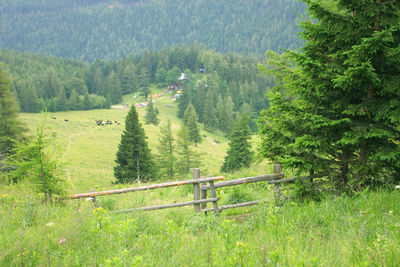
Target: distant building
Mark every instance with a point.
(182, 77)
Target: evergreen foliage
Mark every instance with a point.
(35, 163)
(337, 108)
(151, 114)
(166, 151)
(10, 128)
(239, 154)
(110, 30)
(134, 160)
(190, 121)
(231, 81)
(186, 157)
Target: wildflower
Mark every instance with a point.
(50, 224)
(99, 209)
(240, 244)
(62, 241)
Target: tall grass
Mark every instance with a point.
(362, 230)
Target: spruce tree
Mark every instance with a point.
(10, 127)
(190, 121)
(151, 114)
(129, 80)
(210, 119)
(35, 162)
(134, 160)
(114, 88)
(166, 151)
(75, 101)
(337, 109)
(239, 154)
(62, 101)
(186, 156)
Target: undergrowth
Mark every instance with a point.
(358, 230)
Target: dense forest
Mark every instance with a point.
(110, 29)
(217, 85)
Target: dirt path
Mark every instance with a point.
(213, 143)
(66, 151)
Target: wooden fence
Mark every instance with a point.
(200, 191)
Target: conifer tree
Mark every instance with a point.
(166, 151)
(210, 119)
(336, 111)
(186, 156)
(35, 162)
(227, 116)
(10, 127)
(134, 160)
(87, 104)
(151, 114)
(62, 101)
(239, 154)
(75, 101)
(114, 88)
(129, 80)
(28, 99)
(190, 121)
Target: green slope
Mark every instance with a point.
(109, 29)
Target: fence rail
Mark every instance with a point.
(160, 207)
(246, 180)
(144, 188)
(200, 190)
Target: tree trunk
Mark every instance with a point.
(345, 168)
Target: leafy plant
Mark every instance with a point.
(35, 163)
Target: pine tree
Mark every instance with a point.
(134, 160)
(62, 101)
(129, 80)
(336, 111)
(239, 154)
(114, 88)
(10, 127)
(210, 119)
(87, 104)
(28, 99)
(184, 100)
(227, 116)
(166, 151)
(151, 115)
(186, 156)
(75, 101)
(190, 121)
(34, 162)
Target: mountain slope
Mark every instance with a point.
(110, 29)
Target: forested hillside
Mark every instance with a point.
(110, 29)
(217, 85)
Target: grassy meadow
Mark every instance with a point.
(361, 230)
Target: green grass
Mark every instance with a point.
(88, 151)
(362, 230)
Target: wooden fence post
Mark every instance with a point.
(96, 204)
(214, 195)
(203, 195)
(196, 189)
(277, 187)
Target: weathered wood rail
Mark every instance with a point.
(145, 187)
(200, 191)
